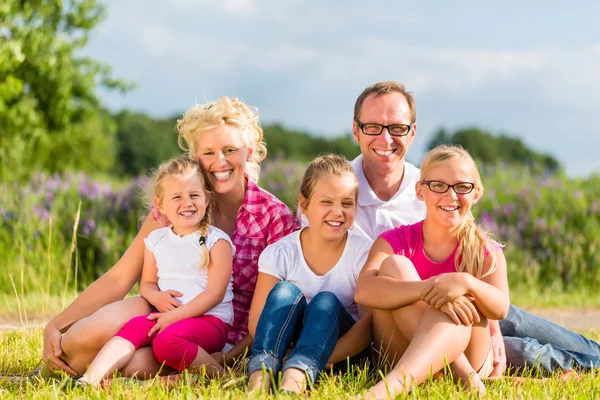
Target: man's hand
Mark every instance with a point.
(165, 301)
(461, 310)
(444, 288)
(52, 351)
(497, 349)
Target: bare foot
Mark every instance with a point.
(293, 380)
(259, 381)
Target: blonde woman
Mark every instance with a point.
(226, 139)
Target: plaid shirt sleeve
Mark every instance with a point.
(282, 225)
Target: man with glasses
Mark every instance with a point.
(384, 127)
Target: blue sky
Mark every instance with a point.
(528, 69)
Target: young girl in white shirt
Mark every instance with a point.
(305, 289)
(186, 276)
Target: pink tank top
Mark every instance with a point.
(407, 241)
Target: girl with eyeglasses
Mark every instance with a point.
(433, 285)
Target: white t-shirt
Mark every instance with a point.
(178, 259)
(284, 260)
(375, 216)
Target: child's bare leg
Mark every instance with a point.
(82, 342)
(436, 335)
(204, 360)
(115, 354)
(259, 380)
(143, 365)
(463, 372)
(293, 380)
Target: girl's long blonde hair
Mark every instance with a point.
(474, 241)
(183, 167)
(225, 111)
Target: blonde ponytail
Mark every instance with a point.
(204, 224)
(474, 245)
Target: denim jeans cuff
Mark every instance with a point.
(269, 361)
(304, 363)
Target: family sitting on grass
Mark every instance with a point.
(389, 267)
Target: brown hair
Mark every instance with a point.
(330, 164)
(183, 167)
(232, 112)
(382, 88)
(474, 242)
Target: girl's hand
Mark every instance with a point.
(444, 288)
(499, 353)
(460, 310)
(52, 351)
(165, 301)
(163, 320)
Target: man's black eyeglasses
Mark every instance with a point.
(442, 187)
(372, 129)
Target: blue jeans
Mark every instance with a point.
(536, 342)
(282, 321)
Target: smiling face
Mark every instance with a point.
(384, 152)
(331, 207)
(223, 155)
(448, 209)
(183, 201)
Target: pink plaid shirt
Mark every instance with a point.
(261, 220)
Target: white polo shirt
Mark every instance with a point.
(375, 216)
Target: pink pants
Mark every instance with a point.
(177, 345)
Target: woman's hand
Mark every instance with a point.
(444, 288)
(165, 301)
(163, 320)
(461, 310)
(52, 351)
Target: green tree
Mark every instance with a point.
(492, 149)
(50, 115)
(299, 145)
(143, 142)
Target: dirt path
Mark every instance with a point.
(577, 319)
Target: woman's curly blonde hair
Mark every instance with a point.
(228, 111)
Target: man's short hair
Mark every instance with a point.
(386, 87)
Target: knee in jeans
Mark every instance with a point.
(285, 292)
(398, 267)
(325, 301)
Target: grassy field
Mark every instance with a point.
(59, 232)
(21, 352)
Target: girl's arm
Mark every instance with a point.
(219, 275)
(356, 339)
(384, 292)
(228, 358)
(162, 301)
(264, 284)
(491, 293)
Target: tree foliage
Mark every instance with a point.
(50, 114)
(144, 142)
(493, 149)
(298, 145)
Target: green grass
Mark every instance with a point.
(21, 349)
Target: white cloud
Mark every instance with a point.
(242, 7)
